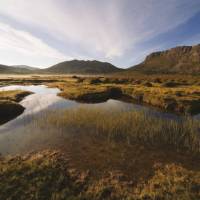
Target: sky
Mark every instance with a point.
(42, 33)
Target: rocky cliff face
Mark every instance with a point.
(184, 59)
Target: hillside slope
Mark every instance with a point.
(25, 67)
(4, 69)
(83, 67)
(183, 59)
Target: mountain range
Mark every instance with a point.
(24, 67)
(182, 60)
(67, 67)
(4, 69)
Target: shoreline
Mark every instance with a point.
(9, 104)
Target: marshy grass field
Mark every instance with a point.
(94, 153)
(99, 100)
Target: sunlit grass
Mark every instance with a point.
(13, 95)
(130, 127)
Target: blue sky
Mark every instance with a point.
(44, 32)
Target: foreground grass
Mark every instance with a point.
(48, 175)
(107, 155)
(37, 176)
(130, 127)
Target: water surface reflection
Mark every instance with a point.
(22, 134)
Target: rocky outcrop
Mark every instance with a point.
(184, 59)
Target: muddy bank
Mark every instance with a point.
(183, 104)
(9, 110)
(166, 102)
(169, 96)
(9, 106)
(96, 96)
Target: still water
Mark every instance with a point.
(16, 135)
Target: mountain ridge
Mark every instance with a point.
(181, 59)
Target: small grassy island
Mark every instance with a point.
(9, 107)
(175, 94)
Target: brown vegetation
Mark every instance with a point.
(9, 108)
(175, 93)
(106, 155)
(123, 160)
(181, 96)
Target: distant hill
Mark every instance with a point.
(4, 69)
(183, 59)
(67, 67)
(83, 67)
(25, 67)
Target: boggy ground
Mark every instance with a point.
(175, 93)
(179, 94)
(110, 156)
(9, 107)
(97, 170)
(104, 155)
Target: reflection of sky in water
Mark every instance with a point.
(17, 134)
(41, 89)
(43, 99)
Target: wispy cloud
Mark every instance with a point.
(25, 43)
(107, 29)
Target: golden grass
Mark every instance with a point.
(108, 155)
(184, 97)
(37, 176)
(48, 175)
(171, 182)
(131, 127)
(161, 157)
(14, 95)
(175, 93)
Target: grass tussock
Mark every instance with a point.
(48, 175)
(171, 182)
(13, 95)
(131, 127)
(38, 176)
